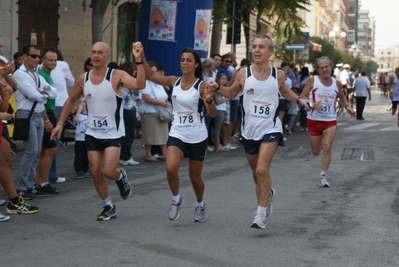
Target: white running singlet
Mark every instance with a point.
(326, 96)
(104, 107)
(260, 104)
(188, 123)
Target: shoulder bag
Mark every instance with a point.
(22, 125)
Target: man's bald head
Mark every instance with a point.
(101, 46)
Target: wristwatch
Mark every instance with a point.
(310, 105)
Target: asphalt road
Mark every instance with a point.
(355, 222)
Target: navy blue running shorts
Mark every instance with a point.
(251, 147)
(192, 151)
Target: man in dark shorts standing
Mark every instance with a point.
(105, 126)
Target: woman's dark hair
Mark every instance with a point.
(87, 62)
(303, 73)
(198, 70)
(59, 55)
(128, 67)
(219, 76)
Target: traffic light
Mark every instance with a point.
(234, 29)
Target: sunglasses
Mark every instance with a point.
(227, 61)
(35, 56)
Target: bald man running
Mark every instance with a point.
(105, 127)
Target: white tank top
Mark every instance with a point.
(395, 89)
(260, 104)
(327, 96)
(104, 107)
(188, 123)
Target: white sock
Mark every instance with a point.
(201, 204)
(44, 184)
(120, 177)
(323, 173)
(261, 210)
(108, 202)
(176, 199)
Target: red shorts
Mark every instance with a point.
(316, 128)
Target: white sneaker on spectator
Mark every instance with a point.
(2, 202)
(131, 161)
(60, 180)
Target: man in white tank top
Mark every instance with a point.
(105, 126)
(322, 91)
(260, 85)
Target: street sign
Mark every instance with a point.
(294, 46)
(304, 54)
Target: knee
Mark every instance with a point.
(316, 152)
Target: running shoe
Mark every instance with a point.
(4, 218)
(48, 189)
(259, 221)
(269, 209)
(80, 175)
(174, 211)
(21, 207)
(199, 214)
(323, 182)
(37, 193)
(107, 214)
(87, 175)
(2, 202)
(25, 195)
(125, 189)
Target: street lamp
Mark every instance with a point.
(354, 50)
(335, 34)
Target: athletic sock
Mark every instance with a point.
(261, 210)
(108, 202)
(176, 199)
(201, 204)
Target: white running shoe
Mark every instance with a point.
(323, 182)
(259, 221)
(174, 211)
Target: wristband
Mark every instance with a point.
(46, 121)
(346, 106)
(209, 102)
(139, 63)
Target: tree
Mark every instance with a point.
(219, 13)
(97, 15)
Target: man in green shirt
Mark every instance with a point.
(49, 147)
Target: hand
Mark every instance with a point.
(165, 103)
(212, 86)
(351, 111)
(6, 89)
(56, 133)
(317, 105)
(138, 51)
(48, 127)
(5, 116)
(208, 94)
(10, 68)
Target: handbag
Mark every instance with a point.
(22, 125)
(165, 113)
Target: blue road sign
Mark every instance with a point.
(294, 46)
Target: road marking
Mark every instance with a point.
(362, 126)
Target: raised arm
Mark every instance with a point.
(234, 89)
